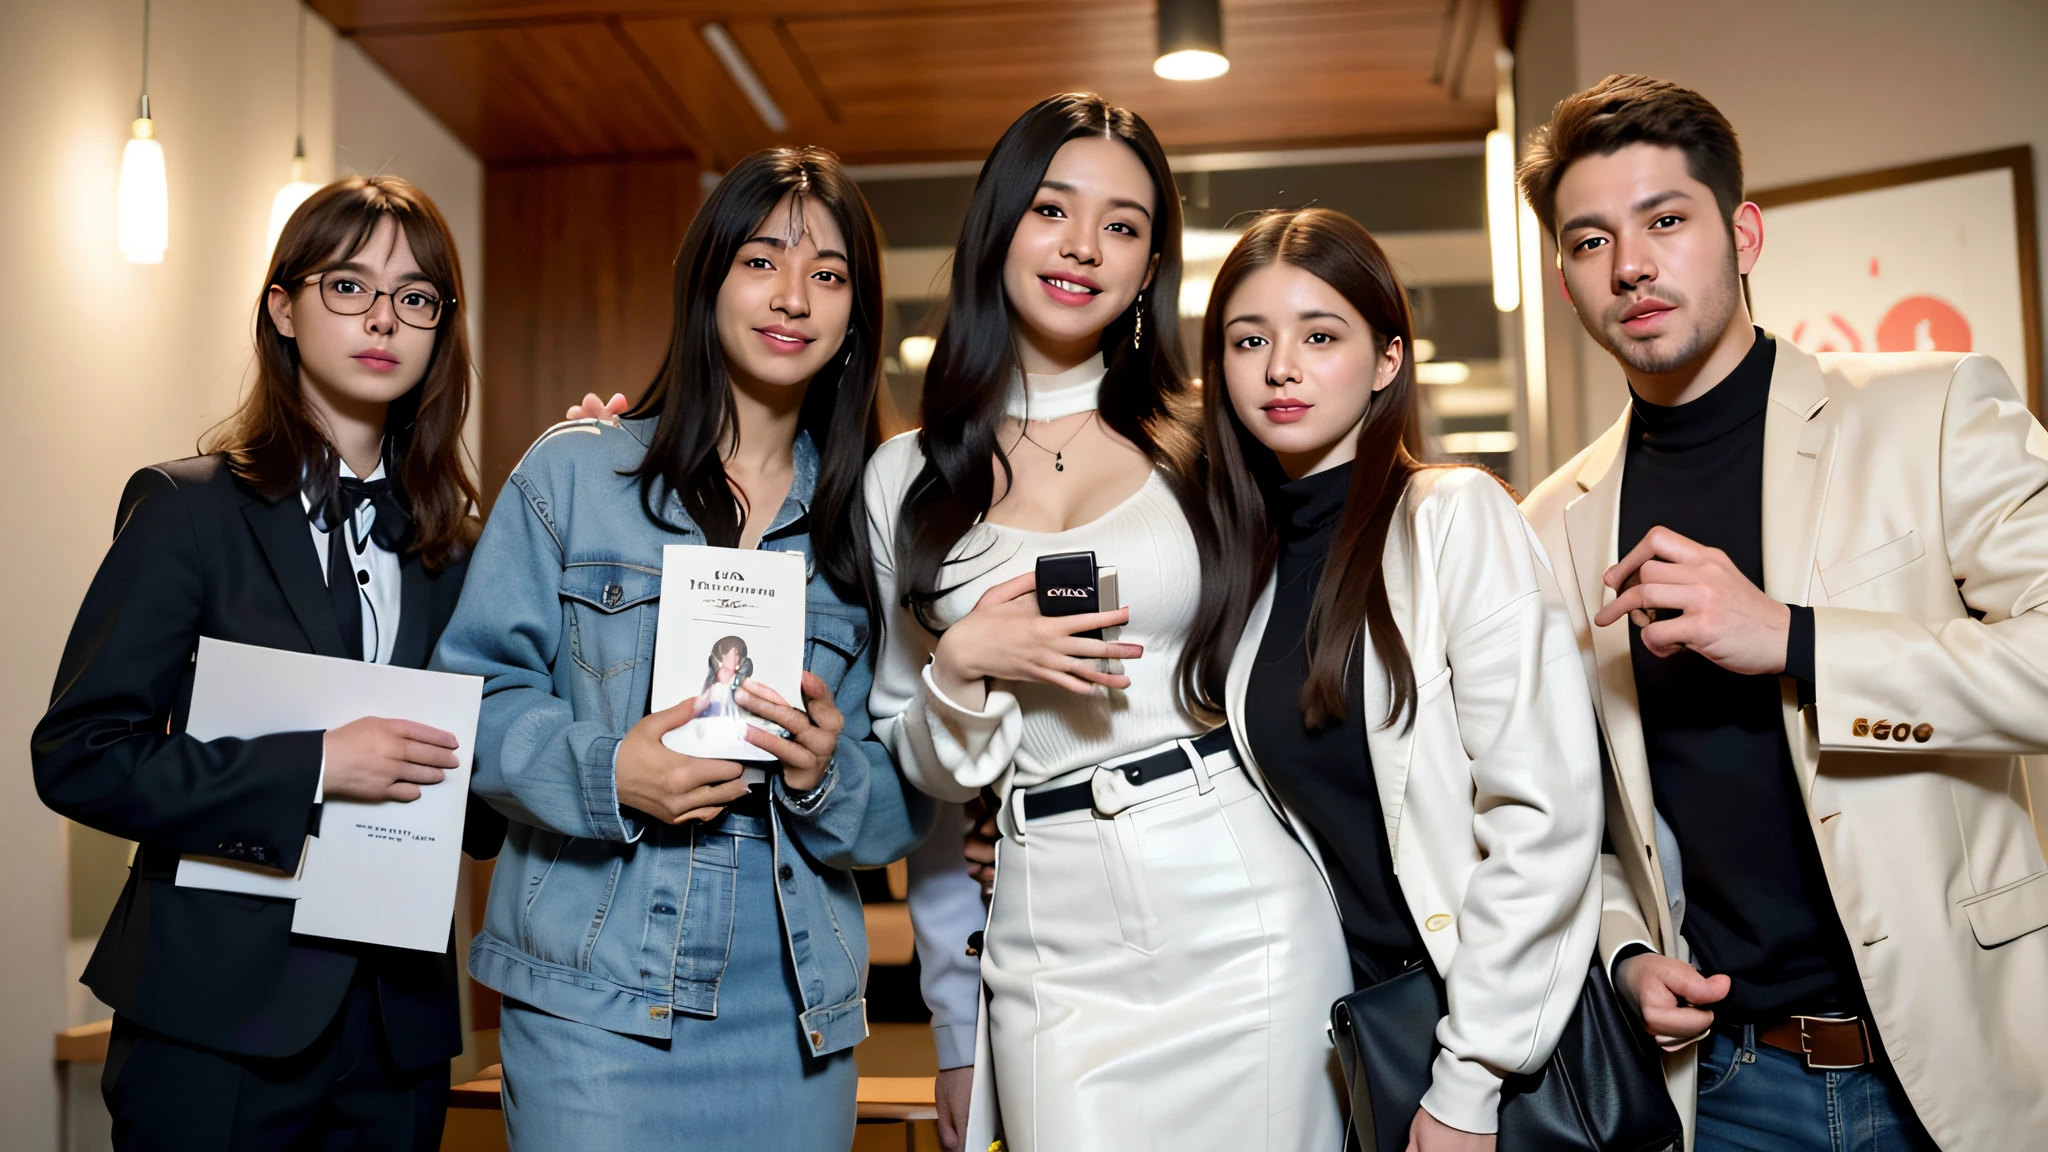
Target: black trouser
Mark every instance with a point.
(342, 1092)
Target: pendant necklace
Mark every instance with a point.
(1058, 454)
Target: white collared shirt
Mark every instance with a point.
(379, 595)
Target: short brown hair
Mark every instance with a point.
(1624, 110)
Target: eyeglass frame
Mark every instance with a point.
(318, 282)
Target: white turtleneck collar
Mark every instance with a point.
(1051, 397)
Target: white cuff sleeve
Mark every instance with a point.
(1463, 1093)
(320, 782)
(973, 748)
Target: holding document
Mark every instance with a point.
(307, 530)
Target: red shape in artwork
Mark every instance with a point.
(1873, 267)
(1825, 340)
(1923, 324)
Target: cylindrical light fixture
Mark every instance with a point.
(143, 221)
(1504, 244)
(1190, 40)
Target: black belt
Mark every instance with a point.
(1075, 797)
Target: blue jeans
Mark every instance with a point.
(1755, 1098)
(740, 1081)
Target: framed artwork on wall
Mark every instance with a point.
(1939, 255)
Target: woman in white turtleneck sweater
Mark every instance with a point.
(1160, 954)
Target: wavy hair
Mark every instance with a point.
(275, 444)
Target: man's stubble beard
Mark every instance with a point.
(1651, 358)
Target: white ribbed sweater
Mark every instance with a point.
(1027, 733)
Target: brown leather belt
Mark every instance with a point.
(1826, 1043)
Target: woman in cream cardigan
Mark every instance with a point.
(1405, 682)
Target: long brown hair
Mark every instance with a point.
(1353, 593)
(273, 442)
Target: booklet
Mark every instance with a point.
(378, 873)
(727, 615)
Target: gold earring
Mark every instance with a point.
(1138, 333)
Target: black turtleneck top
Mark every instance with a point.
(1757, 905)
(1325, 774)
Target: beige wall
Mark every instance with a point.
(110, 366)
(1815, 88)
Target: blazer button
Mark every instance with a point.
(787, 872)
(1861, 727)
(1900, 733)
(817, 1039)
(1437, 923)
(1922, 733)
(1882, 730)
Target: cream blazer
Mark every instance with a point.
(1906, 500)
(1492, 797)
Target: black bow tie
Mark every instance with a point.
(392, 529)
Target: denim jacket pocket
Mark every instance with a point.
(836, 638)
(608, 619)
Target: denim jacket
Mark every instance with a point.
(597, 913)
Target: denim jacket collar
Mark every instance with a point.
(802, 486)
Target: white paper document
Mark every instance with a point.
(382, 873)
(727, 615)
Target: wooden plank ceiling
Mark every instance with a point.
(534, 81)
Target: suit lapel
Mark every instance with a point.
(410, 649)
(1799, 457)
(288, 545)
(1799, 452)
(1592, 525)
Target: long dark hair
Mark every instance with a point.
(1145, 397)
(275, 445)
(1336, 250)
(692, 393)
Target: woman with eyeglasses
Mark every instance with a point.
(330, 514)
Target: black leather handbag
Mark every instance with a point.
(1601, 1091)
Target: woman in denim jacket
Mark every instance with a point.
(682, 956)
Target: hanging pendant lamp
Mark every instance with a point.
(1190, 40)
(143, 226)
(293, 194)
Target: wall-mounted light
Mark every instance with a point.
(1500, 189)
(294, 193)
(741, 70)
(1442, 372)
(1190, 40)
(143, 223)
(916, 352)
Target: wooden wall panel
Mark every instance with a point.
(577, 268)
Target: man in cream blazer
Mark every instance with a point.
(1899, 609)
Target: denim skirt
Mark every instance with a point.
(743, 1080)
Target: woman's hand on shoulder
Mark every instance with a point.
(1005, 638)
(665, 784)
(1429, 1134)
(375, 759)
(594, 409)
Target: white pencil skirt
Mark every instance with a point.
(1162, 979)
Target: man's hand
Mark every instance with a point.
(1668, 993)
(1429, 1134)
(1725, 618)
(952, 1091)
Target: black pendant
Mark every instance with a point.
(1056, 465)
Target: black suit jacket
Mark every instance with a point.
(197, 553)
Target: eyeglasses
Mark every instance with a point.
(415, 305)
